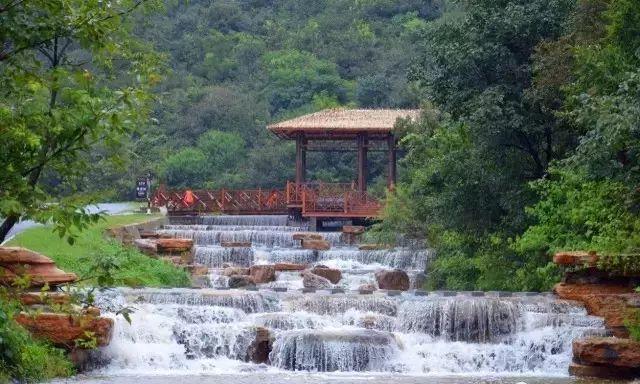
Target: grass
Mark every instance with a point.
(92, 253)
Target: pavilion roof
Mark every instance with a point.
(343, 122)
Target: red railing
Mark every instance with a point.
(313, 199)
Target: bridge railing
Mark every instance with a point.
(313, 199)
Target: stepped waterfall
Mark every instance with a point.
(217, 330)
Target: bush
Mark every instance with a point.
(23, 358)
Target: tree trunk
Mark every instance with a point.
(6, 226)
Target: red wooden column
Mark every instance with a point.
(362, 162)
(301, 158)
(391, 172)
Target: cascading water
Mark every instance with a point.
(214, 331)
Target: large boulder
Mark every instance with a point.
(231, 271)
(331, 274)
(609, 357)
(16, 262)
(310, 280)
(394, 279)
(241, 281)
(174, 245)
(605, 300)
(289, 267)
(260, 347)
(316, 245)
(63, 329)
(147, 245)
(262, 273)
(307, 236)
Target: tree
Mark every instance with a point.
(58, 65)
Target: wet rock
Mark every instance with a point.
(367, 288)
(147, 234)
(241, 281)
(44, 298)
(373, 247)
(288, 267)
(261, 347)
(310, 280)
(601, 371)
(307, 236)
(331, 274)
(316, 245)
(607, 352)
(174, 245)
(16, 262)
(235, 244)
(419, 281)
(262, 273)
(353, 229)
(395, 279)
(231, 271)
(63, 330)
(197, 269)
(605, 300)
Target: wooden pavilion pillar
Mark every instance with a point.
(301, 158)
(362, 162)
(391, 153)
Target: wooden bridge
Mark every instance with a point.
(313, 199)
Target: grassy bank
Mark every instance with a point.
(92, 252)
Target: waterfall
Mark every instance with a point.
(216, 257)
(460, 319)
(217, 331)
(333, 350)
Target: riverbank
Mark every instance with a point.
(93, 251)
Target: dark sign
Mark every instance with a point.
(142, 188)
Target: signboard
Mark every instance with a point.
(142, 188)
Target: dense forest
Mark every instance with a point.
(528, 142)
(235, 66)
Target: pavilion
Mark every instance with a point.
(340, 129)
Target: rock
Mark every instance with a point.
(260, 348)
(45, 298)
(604, 300)
(575, 258)
(367, 288)
(373, 247)
(146, 234)
(310, 280)
(17, 262)
(287, 267)
(231, 271)
(197, 269)
(331, 274)
(63, 330)
(353, 229)
(607, 351)
(307, 236)
(603, 372)
(174, 245)
(262, 273)
(395, 279)
(235, 244)
(316, 245)
(148, 246)
(241, 281)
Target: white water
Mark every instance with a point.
(211, 331)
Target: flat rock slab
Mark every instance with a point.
(288, 267)
(17, 262)
(353, 229)
(307, 236)
(235, 244)
(575, 258)
(316, 245)
(63, 330)
(373, 247)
